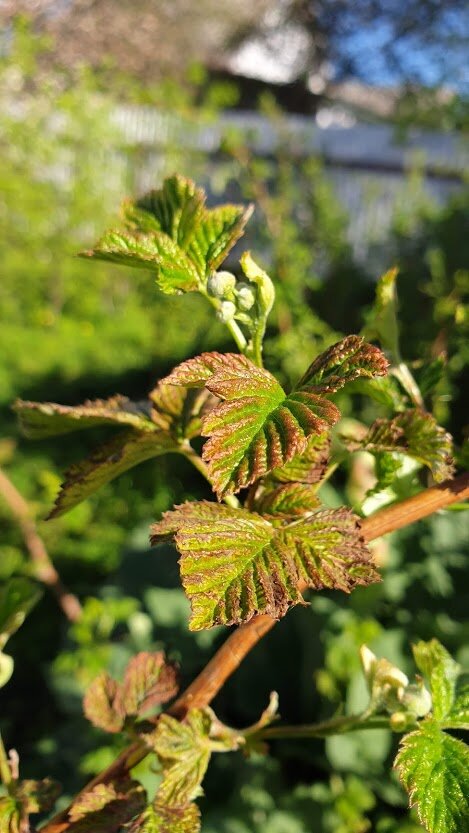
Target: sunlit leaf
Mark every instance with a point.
(184, 749)
(171, 232)
(158, 818)
(258, 427)
(288, 500)
(48, 419)
(415, 433)
(176, 208)
(458, 716)
(235, 563)
(111, 459)
(441, 672)
(381, 321)
(434, 769)
(218, 231)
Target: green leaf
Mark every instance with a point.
(289, 500)
(236, 564)
(99, 704)
(171, 231)
(106, 808)
(154, 250)
(415, 433)
(458, 716)
(160, 819)
(157, 426)
(184, 749)
(441, 671)
(434, 769)
(17, 597)
(11, 817)
(175, 209)
(47, 419)
(258, 427)
(218, 231)
(148, 681)
(381, 321)
(107, 462)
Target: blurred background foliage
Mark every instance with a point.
(73, 330)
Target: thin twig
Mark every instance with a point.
(227, 659)
(44, 569)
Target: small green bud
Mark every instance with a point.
(401, 721)
(245, 296)
(221, 285)
(227, 311)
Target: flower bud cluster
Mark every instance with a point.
(236, 297)
(391, 691)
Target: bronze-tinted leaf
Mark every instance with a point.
(349, 359)
(236, 564)
(148, 681)
(307, 467)
(99, 704)
(48, 419)
(107, 808)
(258, 427)
(415, 433)
(123, 452)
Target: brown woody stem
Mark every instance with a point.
(227, 659)
(44, 569)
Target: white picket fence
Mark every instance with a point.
(368, 164)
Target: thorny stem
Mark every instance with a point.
(227, 659)
(44, 568)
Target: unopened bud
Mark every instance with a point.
(245, 296)
(401, 721)
(416, 699)
(227, 311)
(221, 284)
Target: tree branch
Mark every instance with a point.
(44, 569)
(227, 659)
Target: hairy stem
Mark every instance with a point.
(43, 566)
(334, 726)
(227, 659)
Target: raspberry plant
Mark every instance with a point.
(250, 554)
